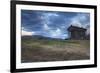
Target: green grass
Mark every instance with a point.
(34, 50)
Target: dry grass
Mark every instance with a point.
(35, 50)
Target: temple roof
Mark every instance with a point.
(76, 28)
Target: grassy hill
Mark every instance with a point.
(41, 50)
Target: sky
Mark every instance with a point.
(51, 23)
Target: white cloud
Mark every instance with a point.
(46, 27)
(77, 20)
(27, 33)
(88, 31)
(56, 32)
(52, 14)
(24, 32)
(82, 17)
(47, 16)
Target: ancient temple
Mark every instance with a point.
(77, 33)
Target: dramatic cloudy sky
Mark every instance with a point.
(52, 24)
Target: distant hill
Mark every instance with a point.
(39, 37)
